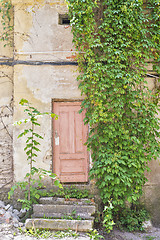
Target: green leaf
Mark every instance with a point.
(23, 101)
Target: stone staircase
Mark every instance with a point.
(61, 214)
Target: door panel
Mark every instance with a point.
(70, 157)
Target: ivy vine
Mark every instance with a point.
(117, 38)
(6, 21)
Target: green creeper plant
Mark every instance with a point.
(32, 148)
(132, 219)
(6, 21)
(114, 40)
(108, 222)
(94, 235)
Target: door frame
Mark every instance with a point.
(52, 139)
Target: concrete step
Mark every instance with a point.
(63, 201)
(48, 210)
(60, 224)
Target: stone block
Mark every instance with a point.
(2, 205)
(22, 213)
(147, 225)
(60, 224)
(8, 215)
(83, 211)
(2, 211)
(15, 212)
(7, 207)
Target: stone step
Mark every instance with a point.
(60, 224)
(48, 210)
(63, 201)
(62, 216)
(52, 214)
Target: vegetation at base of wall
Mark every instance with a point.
(67, 193)
(131, 219)
(44, 233)
(66, 234)
(38, 233)
(114, 40)
(94, 235)
(32, 184)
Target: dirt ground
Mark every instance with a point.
(8, 232)
(154, 234)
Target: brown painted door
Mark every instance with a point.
(70, 157)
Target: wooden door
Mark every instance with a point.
(70, 157)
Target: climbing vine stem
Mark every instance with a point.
(118, 37)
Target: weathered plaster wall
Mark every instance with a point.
(6, 114)
(40, 37)
(40, 84)
(151, 196)
(47, 43)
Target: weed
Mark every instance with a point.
(21, 230)
(88, 201)
(39, 233)
(68, 192)
(67, 217)
(67, 233)
(94, 235)
(45, 217)
(149, 237)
